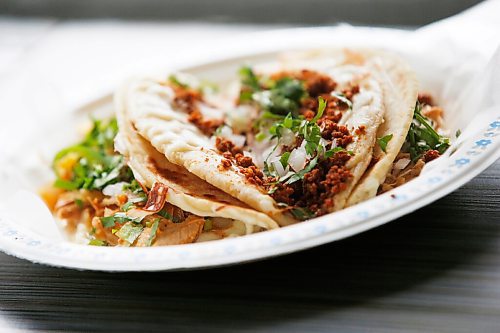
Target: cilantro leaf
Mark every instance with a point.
(300, 175)
(91, 164)
(284, 159)
(302, 213)
(383, 141)
(331, 152)
(98, 242)
(120, 217)
(163, 213)
(173, 79)
(249, 79)
(127, 206)
(154, 229)
(321, 108)
(129, 232)
(422, 137)
(342, 98)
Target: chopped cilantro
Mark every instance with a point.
(260, 136)
(342, 98)
(278, 97)
(321, 108)
(288, 121)
(79, 203)
(312, 135)
(120, 217)
(129, 232)
(249, 79)
(152, 234)
(311, 132)
(422, 137)
(127, 206)
(208, 87)
(300, 175)
(284, 159)
(458, 133)
(91, 164)
(174, 80)
(133, 187)
(163, 213)
(98, 242)
(331, 152)
(208, 224)
(302, 213)
(383, 141)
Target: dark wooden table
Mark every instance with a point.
(436, 270)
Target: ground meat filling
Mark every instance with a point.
(330, 176)
(186, 100)
(232, 153)
(318, 187)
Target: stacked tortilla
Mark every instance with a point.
(162, 145)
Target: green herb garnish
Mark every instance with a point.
(120, 217)
(422, 137)
(284, 159)
(79, 203)
(208, 224)
(310, 131)
(95, 163)
(300, 175)
(302, 213)
(152, 234)
(98, 242)
(127, 206)
(331, 152)
(129, 232)
(173, 79)
(383, 141)
(163, 213)
(342, 98)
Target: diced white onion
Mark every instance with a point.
(237, 139)
(240, 118)
(113, 189)
(364, 98)
(401, 164)
(137, 213)
(287, 137)
(119, 144)
(209, 112)
(297, 159)
(278, 167)
(262, 97)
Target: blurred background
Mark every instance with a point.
(296, 12)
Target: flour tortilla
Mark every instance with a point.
(400, 88)
(186, 191)
(149, 104)
(168, 130)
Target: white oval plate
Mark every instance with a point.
(477, 148)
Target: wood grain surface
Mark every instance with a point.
(436, 270)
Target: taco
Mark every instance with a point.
(135, 197)
(300, 136)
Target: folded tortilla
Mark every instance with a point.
(186, 190)
(388, 89)
(399, 89)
